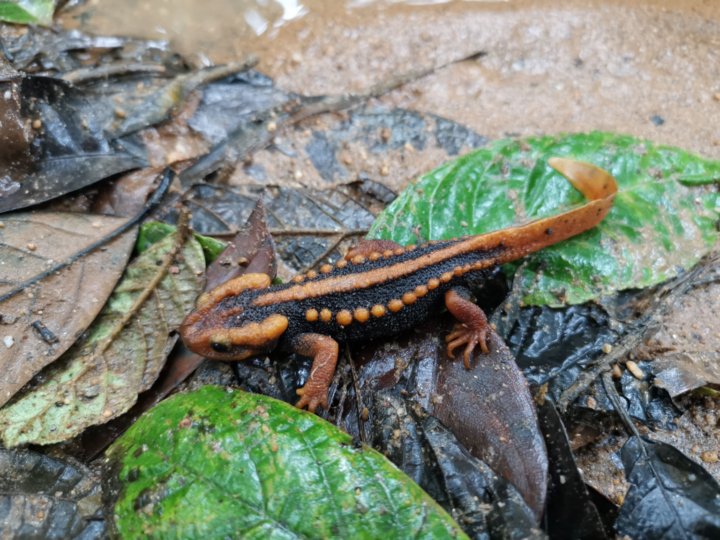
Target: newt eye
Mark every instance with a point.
(219, 347)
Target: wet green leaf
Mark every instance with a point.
(155, 231)
(27, 11)
(100, 376)
(214, 464)
(658, 224)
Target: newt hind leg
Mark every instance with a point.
(472, 328)
(324, 350)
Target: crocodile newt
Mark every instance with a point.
(379, 289)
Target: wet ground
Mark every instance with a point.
(648, 69)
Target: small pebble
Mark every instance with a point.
(385, 169)
(616, 371)
(620, 499)
(272, 126)
(9, 341)
(174, 270)
(385, 134)
(607, 348)
(710, 456)
(298, 175)
(365, 414)
(696, 449)
(37, 124)
(7, 94)
(635, 369)
(107, 413)
(120, 113)
(32, 247)
(717, 96)
(2, 225)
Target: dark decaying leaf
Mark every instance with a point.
(570, 513)
(253, 244)
(656, 227)
(236, 464)
(310, 226)
(554, 346)
(392, 146)
(65, 303)
(670, 497)
(483, 503)
(49, 50)
(648, 403)
(69, 149)
(14, 139)
(121, 355)
(683, 372)
(48, 497)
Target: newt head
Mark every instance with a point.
(215, 330)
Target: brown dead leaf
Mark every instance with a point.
(64, 303)
(683, 372)
(490, 410)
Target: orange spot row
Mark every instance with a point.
(345, 317)
(358, 259)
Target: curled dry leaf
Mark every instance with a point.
(125, 348)
(64, 303)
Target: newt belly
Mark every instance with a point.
(379, 289)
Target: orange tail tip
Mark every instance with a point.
(593, 182)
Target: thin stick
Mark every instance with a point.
(154, 201)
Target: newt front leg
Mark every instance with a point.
(325, 352)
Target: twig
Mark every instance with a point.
(358, 396)
(297, 231)
(154, 201)
(656, 310)
(157, 107)
(105, 71)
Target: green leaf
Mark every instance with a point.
(155, 231)
(218, 464)
(100, 376)
(27, 11)
(657, 225)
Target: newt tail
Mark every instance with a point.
(379, 289)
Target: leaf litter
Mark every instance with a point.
(61, 268)
(279, 148)
(44, 496)
(100, 377)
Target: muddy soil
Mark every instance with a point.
(649, 69)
